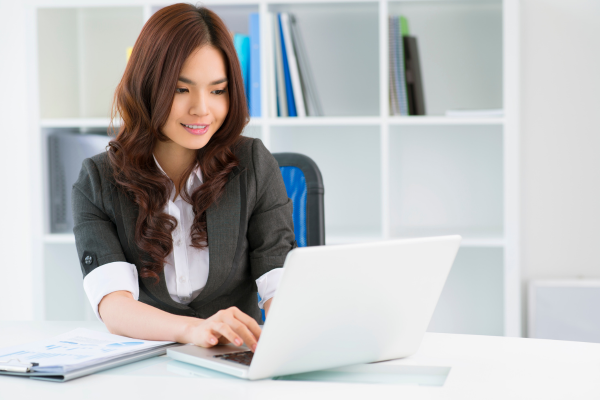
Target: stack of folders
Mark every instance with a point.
(77, 353)
(292, 91)
(290, 85)
(406, 84)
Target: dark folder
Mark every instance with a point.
(414, 82)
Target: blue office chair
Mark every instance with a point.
(304, 185)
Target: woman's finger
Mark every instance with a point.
(242, 330)
(204, 337)
(249, 322)
(226, 331)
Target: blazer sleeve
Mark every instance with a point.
(271, 226)
(96, 235)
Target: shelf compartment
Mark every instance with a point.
(82, 57)
(348, 158)
(460, 51)
(447, 180)
(342, 52)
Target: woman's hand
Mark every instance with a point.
(226, 326)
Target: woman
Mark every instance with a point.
(182, 219)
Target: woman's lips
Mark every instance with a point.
(193, 131)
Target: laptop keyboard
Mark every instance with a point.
(242, 357)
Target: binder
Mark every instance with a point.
(292, 65)
(414, 83)
(15, 367)
(313, 104)
(271, 83)
(242, 48)
(282, 105)
(254, 86)
(286, 73)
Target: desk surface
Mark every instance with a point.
(483, 367)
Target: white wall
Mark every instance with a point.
(560, 151)
(15, 225)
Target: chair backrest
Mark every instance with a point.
(304, 185)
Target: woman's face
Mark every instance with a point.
(201, 99)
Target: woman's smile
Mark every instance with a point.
(196, 129)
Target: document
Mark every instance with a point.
(75, 350)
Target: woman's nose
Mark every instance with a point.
(200, 107)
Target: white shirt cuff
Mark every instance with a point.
(110, 278)
(267, 285)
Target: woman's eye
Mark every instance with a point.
(181, 90)
(219, 91)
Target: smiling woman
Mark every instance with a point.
(182, 220)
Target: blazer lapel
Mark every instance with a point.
(225, 225)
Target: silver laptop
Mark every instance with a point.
(341, 305)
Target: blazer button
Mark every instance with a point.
(88, 260)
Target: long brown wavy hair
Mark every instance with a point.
(143, 101)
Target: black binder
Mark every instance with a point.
(414, 82)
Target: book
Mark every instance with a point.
(270, 68)
(74, 354)
(241, 43)
(401, 87)
(254, 68)
(286, 73)
(402, 31)
(414, 83)
(392, 68)
(282, 106)
(399, 104)
(311, 98)
(293, 66)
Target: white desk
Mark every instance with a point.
(483, 367)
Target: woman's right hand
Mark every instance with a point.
(226, 326)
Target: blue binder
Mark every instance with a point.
(254, 65)
(286, 73)
(242, 48)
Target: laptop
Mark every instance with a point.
(341, 305)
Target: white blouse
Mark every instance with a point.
(185, 268)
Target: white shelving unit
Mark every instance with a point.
(385, 177)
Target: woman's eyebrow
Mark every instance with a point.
(191, 82)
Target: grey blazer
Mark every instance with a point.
(250, 231)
